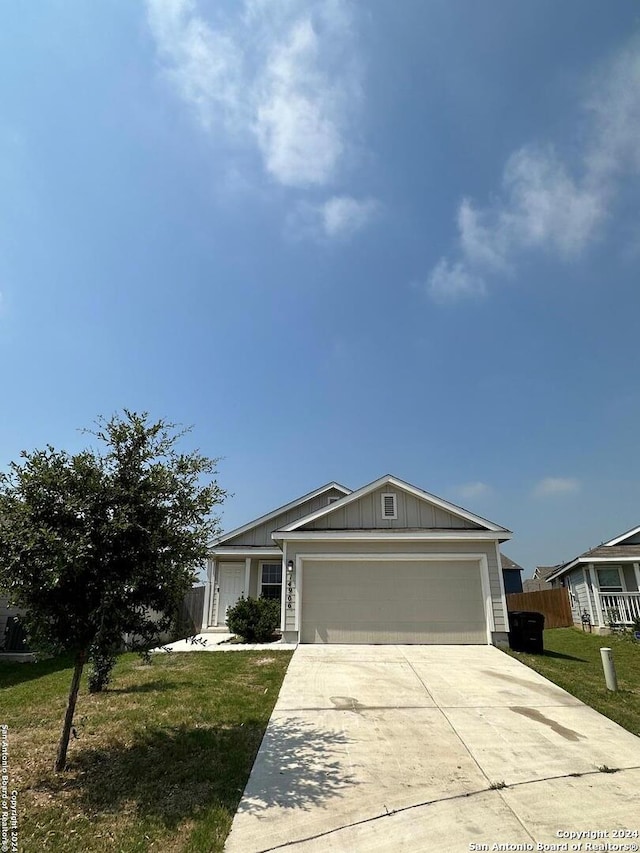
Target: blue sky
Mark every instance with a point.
(340, 239)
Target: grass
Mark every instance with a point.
(572, 660)
(161, 758)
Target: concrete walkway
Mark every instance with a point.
(219, 642)
(432, 748)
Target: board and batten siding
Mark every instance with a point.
(295, 547)
(260, 536)
(366, 513)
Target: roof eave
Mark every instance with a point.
(285, 508)
(455, 533)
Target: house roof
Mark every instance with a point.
(600, 553)
(390, 480)
(280, 510)
(543, 572)
(626, 535)
(508, 563)
(613, 551)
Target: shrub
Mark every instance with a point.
(102, 660)
(254, 619)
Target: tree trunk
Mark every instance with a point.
(61, 760)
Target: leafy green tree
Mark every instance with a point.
(105, 542)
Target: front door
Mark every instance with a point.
(231, 588)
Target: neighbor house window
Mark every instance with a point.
(610, 580)
(271, 580)
(389, 506)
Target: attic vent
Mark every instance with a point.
(389, 506)
(332, 500)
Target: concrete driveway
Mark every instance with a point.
(443, 748)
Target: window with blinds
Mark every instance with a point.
(271, 580)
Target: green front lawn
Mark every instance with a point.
(160, 759)
(572, 660)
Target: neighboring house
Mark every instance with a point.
(604, 582)
(387, 563)
(539, 580)
(12, 643)
(511, 574)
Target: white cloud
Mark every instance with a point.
(545, 208)
(614, 103)
(449, 282)
(340, 217)
(204, 64)
(556, 486)
(282, 77)
(343, 215)
(298, 123)
(474, 490)
(544, 205)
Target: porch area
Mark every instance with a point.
(236, 573)
(618, 609)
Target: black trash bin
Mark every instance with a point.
(526, 631)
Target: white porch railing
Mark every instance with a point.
(620, 608)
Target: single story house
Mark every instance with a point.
(604, 582)
(386, 563)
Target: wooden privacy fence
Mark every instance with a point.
(554, 603)
(191, 610)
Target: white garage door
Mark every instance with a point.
(412, 601)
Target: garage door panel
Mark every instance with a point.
(412, 634)
(412, 601)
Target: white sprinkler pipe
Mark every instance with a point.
(609, 669)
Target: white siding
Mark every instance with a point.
(580, 599)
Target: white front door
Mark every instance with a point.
(231, 587)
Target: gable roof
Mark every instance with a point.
(280, 511)
(543, 572)
(611, 550)
(508, 563)
(390, 480)
(619, 539)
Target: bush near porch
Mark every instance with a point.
(255, 620)
(572, 661)
(161, 757)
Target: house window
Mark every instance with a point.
(271, 580)
(389, 506)
(610, 580)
